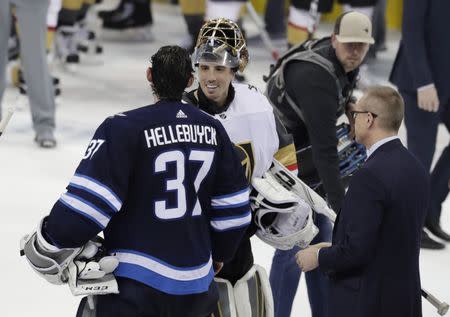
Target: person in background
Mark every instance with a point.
(31, 18)
(373, 262)
(420, 72)
(317, 80)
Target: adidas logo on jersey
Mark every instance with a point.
(181, 114)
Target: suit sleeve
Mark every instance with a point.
(318, 101)
(96, 191)
(361, 218)
(230, 207)
(413, 38)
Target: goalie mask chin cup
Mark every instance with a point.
(220, 42)
(284, 241)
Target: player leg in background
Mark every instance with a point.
(274, 23)
(421, 134)
(65, 42)
(14, 73)
(5, 25)
(229, 9)
(52, 21)
(106, 14)
(194, 15)
(379, 26)
(136, 15)
(285, 276)
(31, 17)
(439, 180)
(86, 39)
(304, 15)
(274, 19)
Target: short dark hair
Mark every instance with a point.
(171, 71)
(388, 104)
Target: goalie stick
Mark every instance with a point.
(442, 307)
(319, 205)
(290, 181)
(5, 120)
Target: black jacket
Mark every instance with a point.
(373, 263)
(423, 55)
(314, 91)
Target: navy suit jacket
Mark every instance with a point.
(373, 263)
(423, 55)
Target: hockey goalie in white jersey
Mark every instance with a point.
(249, 120)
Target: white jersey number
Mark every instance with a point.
(176, 185)
(93, 147)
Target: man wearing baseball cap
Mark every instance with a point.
(310, 87)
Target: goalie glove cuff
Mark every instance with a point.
(46, 259)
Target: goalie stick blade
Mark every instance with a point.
(5, 120)
(296, 185)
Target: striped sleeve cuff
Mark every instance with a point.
(97, 189)
(234, 200)
(231, 223)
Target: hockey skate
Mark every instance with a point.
(107, 14)
(13, 48)
(66, 47)
(87, 41)
(133, 22)
(87, 45)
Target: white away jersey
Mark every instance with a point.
(250, 124)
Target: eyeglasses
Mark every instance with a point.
(355, 113)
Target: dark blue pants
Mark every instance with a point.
(422, 129)
(137, 299)
(275, 17)
(285, 275)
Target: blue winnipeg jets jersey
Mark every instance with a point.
(165, 186)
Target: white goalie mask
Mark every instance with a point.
(284, 220)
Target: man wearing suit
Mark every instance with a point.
(373, 263)
(421, 71)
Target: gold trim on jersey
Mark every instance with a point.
(192, 7)
(72, 4)
(248, 162)
(286, 156)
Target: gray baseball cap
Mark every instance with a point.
(353, 27)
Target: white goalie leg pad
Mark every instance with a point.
(253, 295)
(227, 303)
(293, 183)
(250, 296)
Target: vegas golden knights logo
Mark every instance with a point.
(247, 156)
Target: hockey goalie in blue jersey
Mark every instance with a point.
(165, 186)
